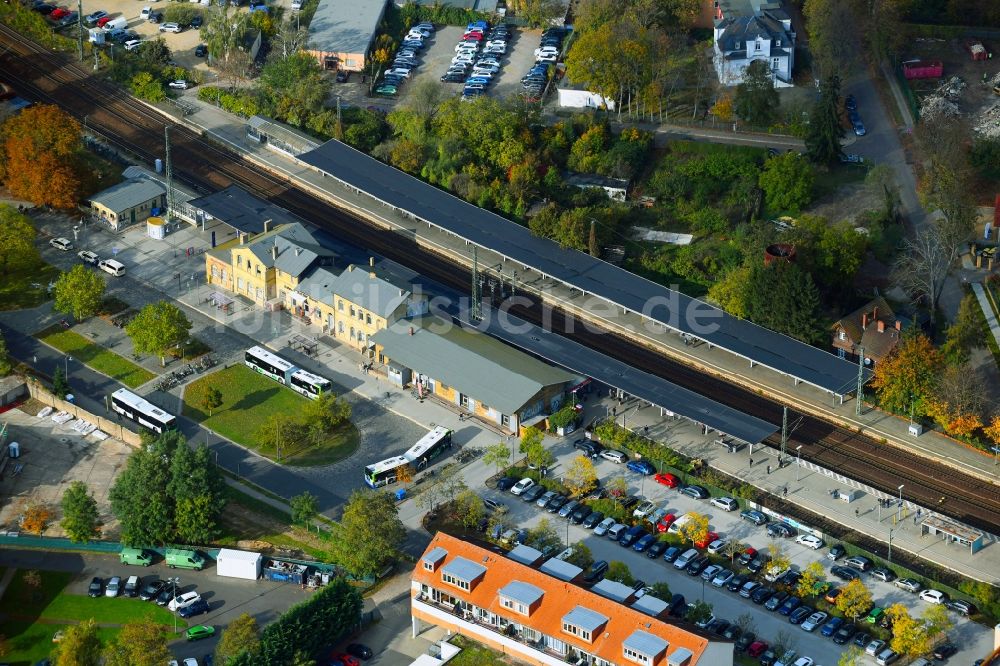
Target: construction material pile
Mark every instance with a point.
(943, 102)
(988, 122)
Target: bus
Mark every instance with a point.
(384, 472)
(144, 413)
(429, 447)
(269, 364)
(308, 384)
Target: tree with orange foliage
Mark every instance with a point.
(993, 430)
(40, 156)
(959, 402)
(908, 377)
(723, 108)
(36, 519)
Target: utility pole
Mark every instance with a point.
(784, 435)
(860, 397)
(477, 296)
(170, 173)
(79, 23)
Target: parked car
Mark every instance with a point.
(556, 503)
(522, 485)
(758, 563)
(944, 651)
(96, 587)
(736, 582)
(640, 467)
(961, 606)
(597, 571)
(756, 649)
(790, 604)
(722, 577)
(883, 574)
(813, 621)
(630, 536)
(799, 614)
(776, 600)
(859, 562)
(546, 497)
(567, 509)
(359, 650)
(717, 546)
(831, 627)
(61, 243)
(696, 566)
(837, 551)
(88, 257)
(725, 503)
(644, 542)
(933, 596)
(197, 608)
(92, 19)
(709, 572)
(695, 492)
(152, 590)
(665, 521)
(615, 531)
(875, 615)
(114, 587)
(602, 527)
(908, 584)
(178, 84)
(762, 594)
(754, 516)
(183, 600)
(198, 632)
(749, 589)
(844, 634)
(171, 27)
(533, 493)
(664, 478)
(845, 574)
(614, 456)
(657, 549)
(886, 657)
(809, 541)
(580, 514)
(671, 554)
(643, 510)
(780, 530)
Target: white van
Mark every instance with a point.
(675, 527)
(119, 23)
(113, 267)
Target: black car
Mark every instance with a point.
(776, 600)
(944, 651)
(850, 103)
(165, 595)
(534, 492)
(197, 608)
(717, 626)
(96, 587)
(758, 563)
(200, 51)
(453, 78)
(555, 503)
(789, 578)
(961, 606)
(591, 521)
(358, 650)
(151, 590)
(836, 552)
(744, 641)
(862, 639)
(697, 565)
(736, 582)
(746, 557)
(678, 606)
(580, 513)
(197, 21)
(597, 571)
(629, 502)
(845, 573)
(592, 449)
(762, 594)
(780, 530)
(507, 482)
(672, 554)
(845, 633)
(694, 492)
(343, 76)
(800, 614)
(656, 550)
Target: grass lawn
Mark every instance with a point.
(248, 401)
(97, 357)
(27, 289)
(34, 615)
(475, 654)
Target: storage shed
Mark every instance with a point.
(238, 564)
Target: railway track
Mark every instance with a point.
(199, 164)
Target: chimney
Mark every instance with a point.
(875, 313)
(371, 267)
(274, 252)
(899, 325)
(411, 330)
(371, 262)
(881, 326)
(350, 268)
(400, 293)
(864, 321)
(267, 225)
(243, 238)
(298, 251)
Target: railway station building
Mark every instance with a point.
(473, 371)
(535, 610)
(128, 203)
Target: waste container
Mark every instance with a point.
(400, 494)
(14, 450)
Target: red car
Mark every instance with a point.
(709, 538)
(345, 659)
(756, 649)
(477, 36)
(669, 480)
(58, 13)
(101, 22)
(664, 523)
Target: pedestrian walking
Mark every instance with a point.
(784, 491)
(751, 462)
(914, 520)
(768, 469)
(857, 513)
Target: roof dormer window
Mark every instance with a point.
(583, 623)
(519, 597)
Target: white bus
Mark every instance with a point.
(269, 364)
(384, 472)
(429, 447)
(308, 384)
(144, 413)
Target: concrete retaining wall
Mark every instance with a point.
(109, 426)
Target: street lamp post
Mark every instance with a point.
(899, 510)
(66, 360)
(890, 544)
(174, 581)
(996, 454)
(798, 472)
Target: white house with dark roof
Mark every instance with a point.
(752, 31)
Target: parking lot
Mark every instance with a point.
(974, 639)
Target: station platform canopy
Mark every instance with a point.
(672, 309)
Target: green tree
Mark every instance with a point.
(80, 646)
(580, 477)
(778, 557)
(825, 131)
(661, 591)
(139, 643)
(756, 99)
(139, 497)
(79, 292)
(851, 656)
(212, 400)
(533, 448)
(241, 636)
(498, 454)
(619, 572)
(854, 599)
(834, 50)
(731, 292)
(60, 387)
(81, 519)
(963, 335)
(325, 414)
(158, 328)
(699, 612)
(783, 297)
(369, 534)
(198, 492)
(787, 181)
(543, 535)
(936, 621)
(5, 363)
(581, 556)
(469, 508)
(305, 507)
(147, 87)
(195, 519)
(17, 241)
(539, 13)
(905, 380)
(279, 432)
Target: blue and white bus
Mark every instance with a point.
(308, 384)
(429, 447)
(267, 363)
(141, 411)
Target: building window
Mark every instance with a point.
(340, 305)
(239, 283)
(576, 631)
(260, 293)
(451, 580)
(632, 655)
(368, 319)
(842, 335)
(258, 269)
(352, 333)
(340, 327)
(353, 311)
(775, 63)
(428, 566)
(505, 420)
(515, 606)
(239, 261)
(215, 272)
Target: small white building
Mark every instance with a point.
(238, 564)
(764, 32)
(615, 188)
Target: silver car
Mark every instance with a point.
(603, 526)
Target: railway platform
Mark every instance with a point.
(799, 397)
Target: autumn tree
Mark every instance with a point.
(544, 535)
(469, 508)
(36, 518)
(723, 108)
(909, 634)
(5, 363)
(580, 477)
(369, 534)
(958, 403)
(695, 528)
(936, 621)
(825, 130)
(80, 646)
(834, 50)
(81, 520)
(733, 548)
(41, 156)
(538, 13)
(158, 328)
(964, 334)
(852, 656)
(17, 242)
(211, 400)
(778, 558)
(756, 99)
(620, 573)
(811, 575)
(139, 643)
(79, 292)
(854, 599)
(497, 454)
(241, 635)
(907, 378)
(787, 180)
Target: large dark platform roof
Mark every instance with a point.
(244, 211)
(662, 393)
(673, 309)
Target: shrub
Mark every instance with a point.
(240, 102)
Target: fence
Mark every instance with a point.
(904, 85)
(116, 430)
